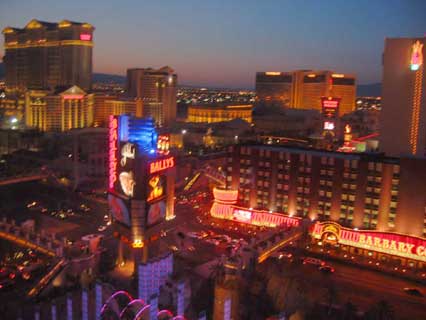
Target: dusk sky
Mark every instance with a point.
(224, 42)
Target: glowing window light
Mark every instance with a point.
(273, 73)
(85, 36)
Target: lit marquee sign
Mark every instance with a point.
(242, 215)
(330, 106)
(385, 242)
(162, 164)
(85, 36)
(416, 56)
(329, 125)
(113, 140)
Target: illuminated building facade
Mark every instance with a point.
(303, 89)
(403, 116)
(275, 88)
(141, 179)
(219, 113)
(102, 110)
(157, 90)
(60, 111)
(123, 106)
(355, 190)
(46, 55)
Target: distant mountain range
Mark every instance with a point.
(373, 90)
(108, 78)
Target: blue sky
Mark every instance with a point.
(223, 43)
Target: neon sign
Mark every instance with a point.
(85, 36)
(386, 242)
(163, 144)
(416, 56)
(73, 96)
(156, 186)
(113, 139)
(330, 107)
(128, 151)
(161, 165)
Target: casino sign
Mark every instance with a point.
(385, 242)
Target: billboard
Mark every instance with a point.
(330, 107)
(156, 213)
(119, 209)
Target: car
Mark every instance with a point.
(326, 269)
(413, 292)
(102, 228)
(313, 261)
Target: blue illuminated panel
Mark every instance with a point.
(140, 131)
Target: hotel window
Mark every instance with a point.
(351, 197)
(346, 163)
(279, 186)
(268, 153)
(267, 164)
(323, 160)
(354, 164)
(396, 169)
(371, 166)
(331, 161)
(280, 176)
(286, 187)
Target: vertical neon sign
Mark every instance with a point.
(113, 139)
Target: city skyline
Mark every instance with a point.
(208, 44)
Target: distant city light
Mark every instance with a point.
(184, 131)
(13, 120)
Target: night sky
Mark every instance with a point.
(224, 42)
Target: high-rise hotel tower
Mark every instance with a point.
(46, 55)
(403, 115)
